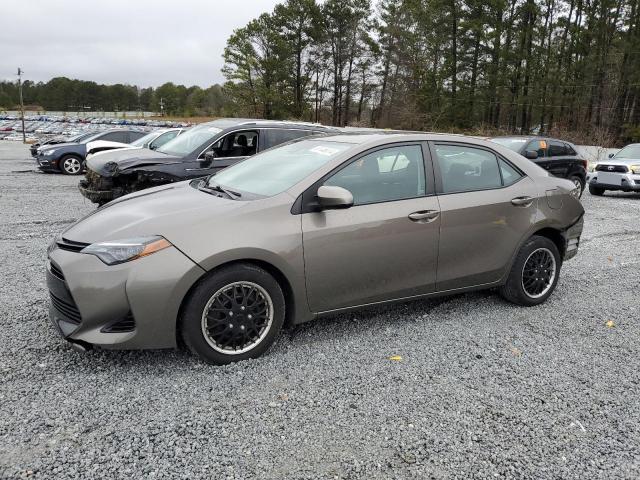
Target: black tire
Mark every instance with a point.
(597, 191)
(208, 293)
(71, 165)
(578, 181)
(514, 291)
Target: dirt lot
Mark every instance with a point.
(483, 389)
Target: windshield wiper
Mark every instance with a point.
(217, 188)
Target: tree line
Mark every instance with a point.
(569, 66)
(64, 94)
(564, 67)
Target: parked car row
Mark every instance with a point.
(284, 222)
(69, 157)
(95, 120)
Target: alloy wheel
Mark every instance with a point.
(577, 192)
(71, 165)
(237, 318)
(538, 273)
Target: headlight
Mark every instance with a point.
(120, 251)
(592, 167)
(49, 152)
(635, 168)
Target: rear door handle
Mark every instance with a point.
(424, 216)
(522, 201)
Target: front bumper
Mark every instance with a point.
(133, 305)
(96, 196)
(47, 163)
(625, 182)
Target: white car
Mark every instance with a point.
(620, 172)
(152, 140)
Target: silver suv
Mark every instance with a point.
(620, 172)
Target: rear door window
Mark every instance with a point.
(276, 136)
(466, 169)
(556, 149)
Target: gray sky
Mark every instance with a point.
(140, 42)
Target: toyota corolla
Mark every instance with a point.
(311, 228)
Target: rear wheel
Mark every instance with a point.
(597, 191)
(579, 183)
(534, 274)
(70, 165)
(234, 314)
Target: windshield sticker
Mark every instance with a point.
(322, 150)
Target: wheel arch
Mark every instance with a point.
(555, 236)
(291, 302)
(552, 233)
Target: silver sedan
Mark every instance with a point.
(317, 226)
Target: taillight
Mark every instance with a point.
(585, 164)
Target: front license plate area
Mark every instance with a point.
(609, 178)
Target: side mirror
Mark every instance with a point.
(152, 146)
(333, 198)
(611, 155)
(209, 156)
(531, 154)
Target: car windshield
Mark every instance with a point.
(630, 151)
(190, 140)
(512, 143)
(146, 139)
(278, 169)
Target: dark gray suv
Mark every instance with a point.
(202, 150)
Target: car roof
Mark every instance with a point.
(394, 136)
(533, 137)
(224, 123)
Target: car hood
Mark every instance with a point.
(111, 162)
(620, 161)
(56, 146)
(168, 210)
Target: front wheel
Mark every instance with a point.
(579, 183)
(534, 274)
(597, 191)
(234, 314)
(70, 165)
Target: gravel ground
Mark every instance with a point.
(483, 389)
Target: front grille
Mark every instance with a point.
(69, 310)
(127, 324)
(612, 168)
(55, 271)
(70, 245)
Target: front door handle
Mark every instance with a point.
(424, 216)
(522, 201)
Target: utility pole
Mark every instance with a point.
(161, 107)
(24, 135)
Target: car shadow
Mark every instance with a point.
(159, 362)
